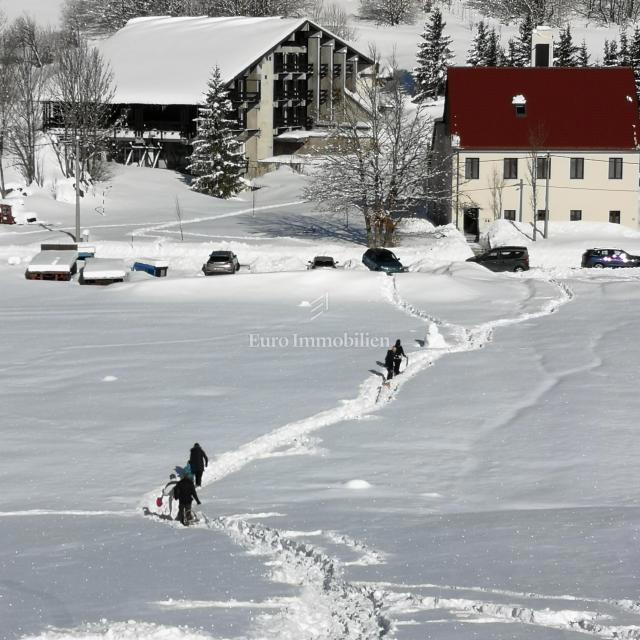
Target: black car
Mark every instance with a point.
(322, 262)
(382, 260)
(504, 259)
(221, 262)
(612, 258)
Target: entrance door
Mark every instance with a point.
(472, 222)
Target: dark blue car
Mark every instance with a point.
(382, 260)
(611, 258)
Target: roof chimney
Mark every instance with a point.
(542, 47)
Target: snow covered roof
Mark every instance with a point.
(164, 60)
(568, 108)
(103, 269)
(52, 262)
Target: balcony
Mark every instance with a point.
(249, 97)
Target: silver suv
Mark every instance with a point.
(221, 262)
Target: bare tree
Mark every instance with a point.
(334, 18)
(26, 119)
(378, 168)
(82, 88)
(391, 12)
(541, 11)
(496, 190)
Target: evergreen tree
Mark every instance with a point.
(522, 56)
(634, 57)
(610, 58)
(624, 56)
(511, 55)
(494, 54)
(582, 55)
(434, 57)
(478, 51)
(216, 161)
(565, 52)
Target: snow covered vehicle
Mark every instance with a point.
(322, 262)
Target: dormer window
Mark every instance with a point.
(520, 106)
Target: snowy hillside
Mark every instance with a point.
(487, 492)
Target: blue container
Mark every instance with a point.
(157, 268)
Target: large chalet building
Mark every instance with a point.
(285, 77)
(526, 143)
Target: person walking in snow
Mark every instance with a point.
(397, 360)
(185, 493)
(167, 492)
(389, 362)
(198, 461)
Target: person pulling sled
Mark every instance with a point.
(397, 358)
(185, 493)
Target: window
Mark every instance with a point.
(576, 171)
(510, 168)
(615, 168)
(614, 216)
(541, 214)
(543, 168)
(509, 214)
(575, 215)
(521, 110)
(472, 168)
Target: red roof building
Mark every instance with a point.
(537, 144)
(566, 109)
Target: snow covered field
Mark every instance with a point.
(489, 493)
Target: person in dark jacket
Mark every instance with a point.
(389, 362)
(185, 493)
(198, 461)
(397, 360)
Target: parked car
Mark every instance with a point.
(322, 262)
(504, 259)
(612, 258)
(382, 260)
(221, 262)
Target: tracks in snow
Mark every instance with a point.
(343, 610)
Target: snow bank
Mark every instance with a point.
(130, 630)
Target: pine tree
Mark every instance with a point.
(624, 56)
(522, 56)
(434, 57)
(478, 52)
(511, 55)
(610, 58)
(582, 55)
(634, 57)
(494, 54)
(565, 52)
(216, 161)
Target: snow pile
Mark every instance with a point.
(415, 225)
(357, 484)
(130, 630)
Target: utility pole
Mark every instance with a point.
(77, 188)
(521, 190)
(546, 196)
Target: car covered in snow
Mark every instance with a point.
(382, 260)
(611, 258)
(221, 262)
(504, 259)
(322, 262)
